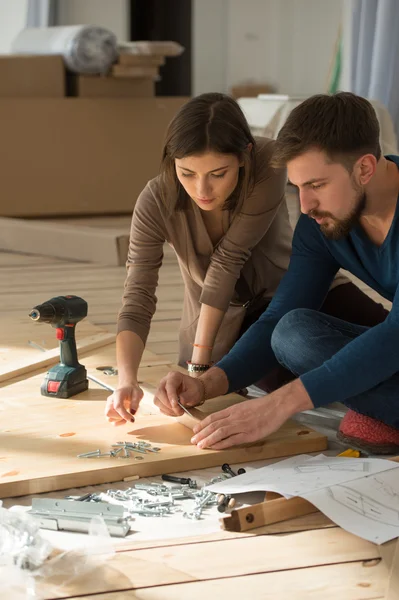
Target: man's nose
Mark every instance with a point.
(307, 201)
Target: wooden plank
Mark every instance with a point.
(215, 560)
(52, 357)
(297, 525)
(40, 454)
(350, 581)
(392, 592)
(18, 332)
(138, 60)
(61, 240)
(265, 513)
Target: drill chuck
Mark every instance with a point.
(43, 313)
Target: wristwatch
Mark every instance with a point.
(196, 368)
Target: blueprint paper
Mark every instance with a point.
(367, 507)
(360, 495)
(302, 475)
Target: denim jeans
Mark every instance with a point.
(304, 339)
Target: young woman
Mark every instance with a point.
(221, 206)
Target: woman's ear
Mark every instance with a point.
(247, 149)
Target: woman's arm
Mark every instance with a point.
(145, 255)
(209, 321)
(129, 350)
(147, 237)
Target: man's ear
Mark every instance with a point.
(365, 168)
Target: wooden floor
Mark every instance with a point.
(303, 558)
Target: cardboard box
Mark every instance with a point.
(135, 71)
(79, 156)
(78, 239)
(32, 76)
(97, 86)
(140, 60)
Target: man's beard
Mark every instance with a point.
(340, 228)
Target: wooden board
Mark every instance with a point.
(16, 334)
(266, 513)
(41, 437)
(347, 581)
(159, 566)
(43, 360)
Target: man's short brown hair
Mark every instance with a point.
(343, 125)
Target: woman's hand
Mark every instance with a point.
(176, 387)
(123, 404)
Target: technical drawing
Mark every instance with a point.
(386, 489)
(314, 467)
(364, 505)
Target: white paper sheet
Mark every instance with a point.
(367, 507)
(361, 495)
(302, 475)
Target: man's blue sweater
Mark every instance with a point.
(364, 362)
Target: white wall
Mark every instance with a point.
(288, 43)
(12, 19)
(112, 14)
(209, 45)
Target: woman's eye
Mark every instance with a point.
(219, 176)
(186, 174)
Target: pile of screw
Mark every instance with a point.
(156, 499)
(123, 450)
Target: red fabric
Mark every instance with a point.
(368, 430)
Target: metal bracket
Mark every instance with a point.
(72, 515)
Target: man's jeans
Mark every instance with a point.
(304, 339)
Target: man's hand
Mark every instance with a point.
(123, 404)
(178, 386)
(251, 420)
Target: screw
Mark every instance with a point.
(89, 454)
(227, 469)
(116, 452)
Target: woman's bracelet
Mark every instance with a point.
(201, 346)
(197, 368)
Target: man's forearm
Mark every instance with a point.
(215, 383)
(292, 398)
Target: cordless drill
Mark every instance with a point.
(68, 377)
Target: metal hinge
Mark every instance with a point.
(70, 515)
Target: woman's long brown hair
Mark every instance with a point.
(208, 123)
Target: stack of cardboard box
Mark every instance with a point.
(91, 153)
(87, 154)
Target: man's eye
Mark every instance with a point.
(317, 186)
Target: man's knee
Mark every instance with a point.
(291, 336)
